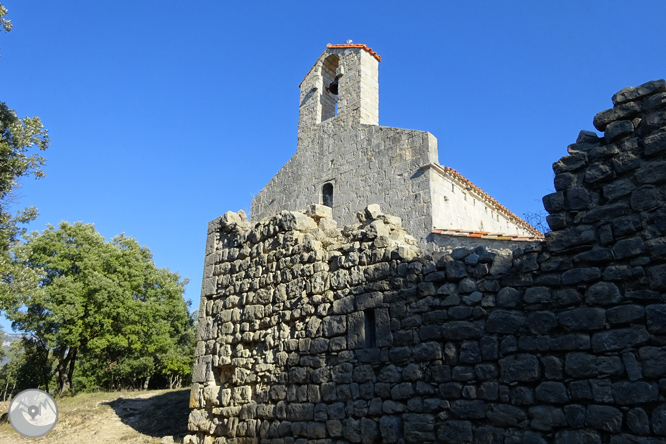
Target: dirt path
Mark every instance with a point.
(128, 417)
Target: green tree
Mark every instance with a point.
(18, 138)
(105, 302)
(27, 367)
(4, 23)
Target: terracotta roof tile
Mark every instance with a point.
(356, 45)
(486, 235)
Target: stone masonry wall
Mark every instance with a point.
(365, 164)
(313, 334)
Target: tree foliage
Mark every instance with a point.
(18, 138)
(4, 23)
(102, 304)
(95, 310)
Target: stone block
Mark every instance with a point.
(455, 432)
(625, 314)
(631, 393)
(391, 429)
(653, 361)
(637, 421)
(520, 368)
(619, 339)
(633, 93)
(618, 129)
(617, 113)
(505, 321)
(582, 319)
(373, 211)
(546, 418)
(318, 212)
(656, 318)
(469, 409)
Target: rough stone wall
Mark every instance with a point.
(311, 334)
(365, 163)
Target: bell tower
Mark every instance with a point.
(344, 85)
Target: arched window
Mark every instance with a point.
(329, 99)
(327, 195)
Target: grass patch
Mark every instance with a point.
(129, 417)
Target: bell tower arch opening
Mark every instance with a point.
(329, 99)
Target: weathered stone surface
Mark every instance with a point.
(458, 330)
(580, 365)
(520, 368)
(455, 432)
(653, 360)
(551, 392)
(505, 321)
(391, 429)
(570, 163)
(577, 437)
(455, 270)
(541, 322)
(546, 418)
(659, 420)
(599, 172)
(604, 417)
(628, 393)
(465, 409)
(632, 93)
(624, 314)
(619, 339)
(603, 293)
(578, 275)
(638, 422)
(581, 319)
(656, 318)
(604, 118)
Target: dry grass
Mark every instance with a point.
(128, 417)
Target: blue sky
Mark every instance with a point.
(164, 115)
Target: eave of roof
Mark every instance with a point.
(466, 183)
(356, 45)
(486, 235)
(344, 46)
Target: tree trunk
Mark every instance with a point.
(4, 395)
(65, 369)
(72, 362)
(145, 383)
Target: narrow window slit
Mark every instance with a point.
(370, 335)
(327, 195)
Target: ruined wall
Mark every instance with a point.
(310, 334)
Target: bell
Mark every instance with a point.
(333, 87)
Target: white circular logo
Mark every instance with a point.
(33, 413)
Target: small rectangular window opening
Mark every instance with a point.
(370, 335)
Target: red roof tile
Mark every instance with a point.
(357, 45)
(486, 235)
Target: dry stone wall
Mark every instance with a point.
(313, 334)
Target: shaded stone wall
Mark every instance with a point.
(313, 334)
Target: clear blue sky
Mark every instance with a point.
(166, 114)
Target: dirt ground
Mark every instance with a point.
(119, 417)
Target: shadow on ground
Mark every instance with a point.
(157, 416)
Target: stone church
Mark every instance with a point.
(346, 160)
